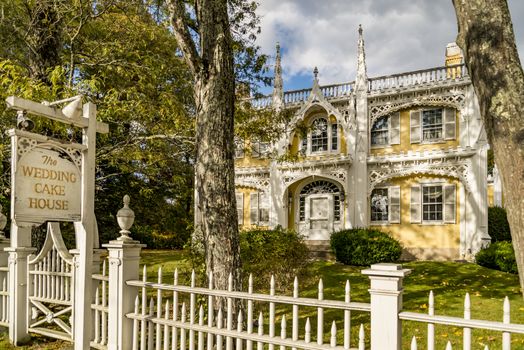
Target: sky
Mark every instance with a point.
(399, 35)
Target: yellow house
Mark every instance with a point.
(405, 153)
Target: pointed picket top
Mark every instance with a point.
(506, 309)
(448, 346)
(486, 347)
(295, 287)
(361, 338)
(220, 319)
(431, 304)
(414, 343)
(333, 341)
(283, 325)
(250, 284)
(467, 306)
(307, 336)
(240, 320)
(320, 290)
(210, 280)
(160, 274)
(137, 304)
(230, 282)
(166, 313)
(201, 315)
(260, 321)
(151, 306)
(175, 277)
(272, 285)
(347, 294)
(183, 313)
(193, 278)
(144, 273)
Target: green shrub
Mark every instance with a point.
(277, 252)
(362, 247)
(154, 240)
(498, 226)
(498, 256)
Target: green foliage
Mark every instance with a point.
(491, 161)
(277, 252)
(155, 240)
(498, 225)
(362, 247)
(498, 256)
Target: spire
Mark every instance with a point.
(278, 90)
(362, 78)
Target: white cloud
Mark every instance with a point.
(400, 35)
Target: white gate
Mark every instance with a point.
(51, 288)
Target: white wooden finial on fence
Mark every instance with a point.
(414, 343)
(125, 217)
(448, 346)
(3, 223)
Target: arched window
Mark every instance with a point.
(316, 187)
(322, 137)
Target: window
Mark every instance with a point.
(385, 130)
(385, 204)
(322, 137)
(259, 209)
(259, 149)
(319, 135)
(240, 207)
(380, 131)
(320, 186)
(432, 203)
(432, 124)
(239, 148)
(379, 204)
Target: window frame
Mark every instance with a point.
(329, 133)
(379, 222)
(388, 130)
(422, 126)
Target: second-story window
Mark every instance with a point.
(432, 124)
(319, 135)
(322, 137)
(380, 132)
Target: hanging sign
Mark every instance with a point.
(47, 187)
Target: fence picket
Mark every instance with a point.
(220, 320)
(192, 305)
(307, 335)
(166, 327)
(174, 337)
(283, 332)
(467, 316)
(182, 330)
(414, 343)
(272, 311)
(135, 324)
(151, 325)
(506, 336)
(97, 316)
(448, 346)
(361, 339)
(249, 343)
(294, 330)
(229, 340)
(320, 314)
(158, 335)
(333, 340)
(210, 312)
(260, 345)
(200, 323)
(240, 320)
(431, 326)
(347, 317)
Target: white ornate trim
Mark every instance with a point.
(259, 182)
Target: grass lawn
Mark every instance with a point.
(448, 280)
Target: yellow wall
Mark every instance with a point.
(439, 236)
(405, 142)
(491, 197)
(247, 204)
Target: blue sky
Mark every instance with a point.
(400, 35)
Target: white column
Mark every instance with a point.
(19, 250)
(386, 303)
(124, 259)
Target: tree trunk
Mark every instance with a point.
(487, 39)
(44, 39)
(214, 173)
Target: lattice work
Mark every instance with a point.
(260, 182)
(455, 99)
(460, 171)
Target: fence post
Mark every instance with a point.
(124, 259)
(386, 303)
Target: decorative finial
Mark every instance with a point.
(278, 87)
(278, 47)
(125, 218)
(360, 29)
(315, 72)
(3, 223)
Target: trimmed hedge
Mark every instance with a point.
(277, 252)
(363, 247)
(498, 256)
(498, 226)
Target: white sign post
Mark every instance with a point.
(53, 181)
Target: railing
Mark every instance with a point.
(4, 297)
(466, 323)
(403, 80)
(419, 77)
(170, 323)
(101, 308)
